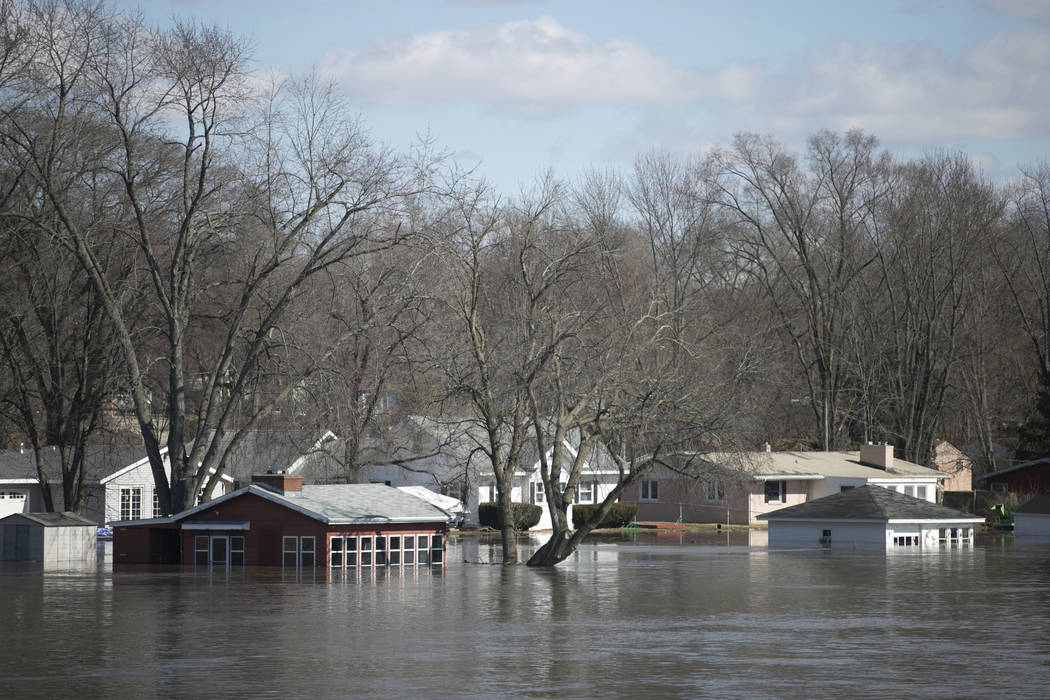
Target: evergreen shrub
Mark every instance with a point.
(526, 515)
(618, 516)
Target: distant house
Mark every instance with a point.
(276, 521)
(872, 516)
(118, 479)
(49, 538)
(1033, 518)
(1026, 478)
(450, 456)
(958, 465)
(738, 488)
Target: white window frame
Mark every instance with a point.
(587, 491)
(156, 504)
(649, 490)
(537, 496)
(781, 488)
(133, 507)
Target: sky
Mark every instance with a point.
(518, 88)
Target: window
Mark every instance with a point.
(351, 551)
(714, 492)
(423, 553)
(776, 491)
(335, 552)
(825, 537)
(436, 550)
(156, 505)
(290, 551)
(586, 491)
(237, 550)
(366, 551)
(487, 492)
(395, 550)
(131, 504)
(920, 492)
(200, 550)
(909, 491)
(380, 550)
(536, 493)
(649, 490)
(410, 550)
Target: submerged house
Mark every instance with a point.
(1029, 478)
(1033, 518)
(277, 521)
(869, 515)
(739, 488)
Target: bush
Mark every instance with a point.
(618, 516)
(526, 515)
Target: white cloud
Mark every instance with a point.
(530, 66)
(998, 89)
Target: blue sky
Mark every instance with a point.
(522, 86)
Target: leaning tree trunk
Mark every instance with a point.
(557, 549)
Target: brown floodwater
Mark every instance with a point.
(677, 616)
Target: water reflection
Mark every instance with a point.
(679, 615)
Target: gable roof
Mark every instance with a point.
(871, 503)
(100, 461)
(332, 504)
(1040, 505)
(1022, 465)
(63, 519)
(817, 465)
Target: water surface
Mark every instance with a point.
(658, 616)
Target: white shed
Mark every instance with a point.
(50, 538)
(1033, 518)
(869, 515)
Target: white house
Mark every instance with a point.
(449, 456)
(869, 516)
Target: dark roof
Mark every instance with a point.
(1040, 505)
(868, 503)
(65, 519)
(100, 461)
(1042, 461)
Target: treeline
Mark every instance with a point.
(227, 253)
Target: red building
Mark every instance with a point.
(1026, 478)
(276, 521)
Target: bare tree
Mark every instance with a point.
(287, 185)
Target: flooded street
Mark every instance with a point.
(663, 616)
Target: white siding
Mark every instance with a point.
(1031, 525)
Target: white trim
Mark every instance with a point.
(217, 525)
(789, 477)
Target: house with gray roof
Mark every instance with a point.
(737, 488)
(871, 516)
(277, 521)
(118, 480)
(450, 456)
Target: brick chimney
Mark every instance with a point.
(879, 456)
(284, 484)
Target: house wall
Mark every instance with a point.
(797, 492)
(523, 490)
(15, 499)
(270, 523)
(690, 501)
(1034, 479)
(787, 533)
(1031, 525)
(141, 477)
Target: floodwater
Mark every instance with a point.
(657, 616)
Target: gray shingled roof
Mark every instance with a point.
(64, 519)
(868, 503)
(1040, 505)
(338, 504)
(100, 461)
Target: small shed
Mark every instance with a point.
(1033, 518)
(51, 538)
(869, 515)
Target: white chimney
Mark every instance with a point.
(879, 456)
